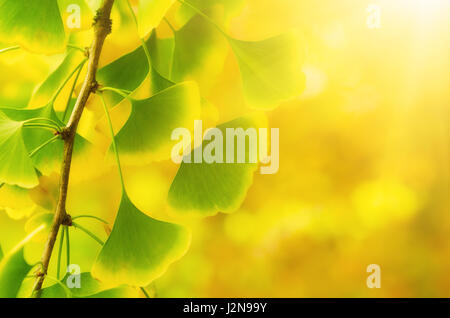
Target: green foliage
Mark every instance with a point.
(128, 73)
(196, 189)
(36, 25)
(139, 248)
(229, 7)
(16, 167)
(196, 52)
(48, 158)
(40, 26)
(270, 69)
(14, 269)
(147, 132)
(172, 74)
(150, 14)
(46, 91)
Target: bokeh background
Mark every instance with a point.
(364, 161)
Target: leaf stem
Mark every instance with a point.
(116, 150)
(66, 109)
(61, 241)
(132, 13)
(44, 126)
(12, 48)
(79, 66)
(89, 217)
(49, 120)
(170, 25)
(117, 91)
(144, 45)
(145, 292)
(71, 46)
(17, 47)
(92, 235)
(35, 151)
(66, 231)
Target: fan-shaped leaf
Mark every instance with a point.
(128, 73)
(204, 189)
(47, 89)
(139, 248)
(40, 219)
(270, 69)
(48, 158)
(150, 14)
(16, 202)
(14, 269)
(146, 134)
(16, 167)
(36, 25)
(197, 52)
(229, 7)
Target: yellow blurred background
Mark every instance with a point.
(364, 162)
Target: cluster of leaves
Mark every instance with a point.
(170, 73)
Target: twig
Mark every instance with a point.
(102, 27)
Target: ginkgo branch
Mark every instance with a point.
(102, 27)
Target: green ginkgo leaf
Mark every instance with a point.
(139, 248)
(48, 158)
(89, 288)
(35, 25)
(197, 52)
(16, 167)
(228, 7)
(50, 86)
(150, 14)
(147, 133)
(203, 189)
(161, 52)
(1, 253)
(41, 219)
(271, 69)
(14, 269)
(128, 73)
(16, 202)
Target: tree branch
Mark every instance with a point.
(102, 27)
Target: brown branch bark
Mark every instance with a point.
(102, 27)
